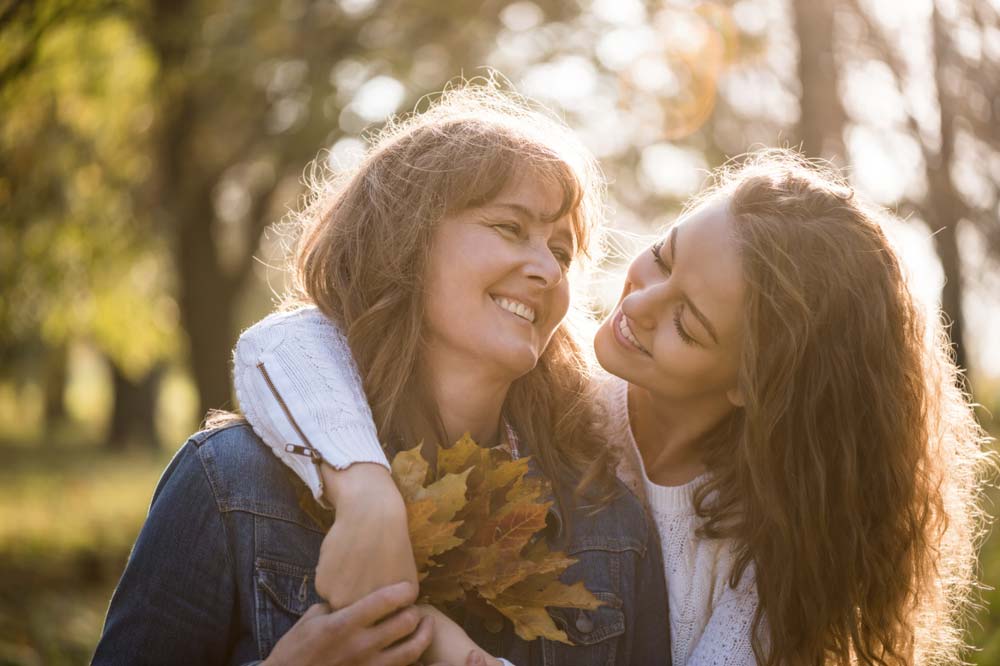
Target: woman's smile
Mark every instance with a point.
(503, 261)
(516, 307)
(624, 335)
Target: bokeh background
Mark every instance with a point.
(148, 146)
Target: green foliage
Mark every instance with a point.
(80, 257)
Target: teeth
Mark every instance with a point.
(627, 332)
(516, 307)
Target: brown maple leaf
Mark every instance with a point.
(477, 528)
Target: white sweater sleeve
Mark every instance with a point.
(300, 390)
(726, 640)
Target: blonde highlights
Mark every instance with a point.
(851, 480)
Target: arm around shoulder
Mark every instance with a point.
(300, 390)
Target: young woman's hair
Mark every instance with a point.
(362, 260)
(851, 478)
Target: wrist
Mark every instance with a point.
(357, 487)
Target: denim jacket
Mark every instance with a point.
(225, 565)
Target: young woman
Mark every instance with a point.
(789, 414)
(445, 257)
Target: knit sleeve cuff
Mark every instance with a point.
(299, 389)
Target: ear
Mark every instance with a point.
(735, 397)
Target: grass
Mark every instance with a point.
(68, 517)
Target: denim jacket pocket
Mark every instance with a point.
(595, 631)
(283, 593)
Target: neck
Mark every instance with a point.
(468, 401)
(668, 433)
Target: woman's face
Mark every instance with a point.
(677, 328)
(496, 285)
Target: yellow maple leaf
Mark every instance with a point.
(477, 528)
(409, 471)
(429, 537)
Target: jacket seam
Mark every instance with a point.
(203, 437)
(230, 559)
(269, 516)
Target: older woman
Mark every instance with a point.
(445, 258)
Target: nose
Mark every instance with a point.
(646, 301)
(542, 266)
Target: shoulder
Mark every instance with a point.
(301, 326)
(246, 476)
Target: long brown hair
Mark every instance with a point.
(363, 256)
(851, 479)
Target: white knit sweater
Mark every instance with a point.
(295, 377)
(710, 622)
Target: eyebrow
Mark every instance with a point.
(694, 309)
(525, 212)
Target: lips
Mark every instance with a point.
(624, 335)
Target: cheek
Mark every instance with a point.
(558, 307)
(675, 357)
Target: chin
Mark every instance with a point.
(604, 347)
(610, 356)
(517, 362)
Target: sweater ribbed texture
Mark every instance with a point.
(303, 357)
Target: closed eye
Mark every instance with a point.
(685, 337)
(509, 229)
(657, 257)
(562, 256)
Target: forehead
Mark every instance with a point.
(542, 194)
(708, 263)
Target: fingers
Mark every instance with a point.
(475, 658)
(382, 602)
(395, 627)
(409, 650)
(316, 610)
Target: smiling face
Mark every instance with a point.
(677, 328)
(496, 285)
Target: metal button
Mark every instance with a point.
(494, 625)
(584, 624)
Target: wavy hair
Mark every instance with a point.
(362, 259)
(854, 484)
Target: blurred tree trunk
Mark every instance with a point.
(133, 417)
(182, 195)
(945, 206)
(821, 119)
(207, 293)
(54, 388)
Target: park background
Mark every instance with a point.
(147, 147)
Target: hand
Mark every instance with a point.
(360, 634)
(369, 544)
(451, 644)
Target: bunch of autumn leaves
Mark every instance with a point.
(476, 524)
